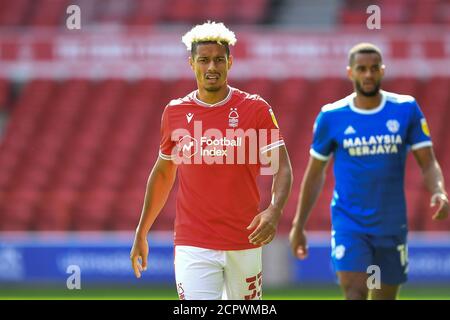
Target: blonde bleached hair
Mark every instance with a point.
(209, 32)
(363, 47)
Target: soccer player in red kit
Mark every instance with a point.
(219, 139)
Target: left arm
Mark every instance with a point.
(266, 222)
(434, 180)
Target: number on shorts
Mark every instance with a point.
(253, 287)
(403, 249)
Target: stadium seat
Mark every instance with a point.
(184, 11)
(12, 13)
(251, 11)
(48, 12)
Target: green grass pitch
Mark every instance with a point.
(168, 293)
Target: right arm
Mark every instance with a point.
(159, 184)
(310, 190)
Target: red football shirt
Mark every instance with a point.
(219, 151)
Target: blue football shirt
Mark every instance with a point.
(369, 149)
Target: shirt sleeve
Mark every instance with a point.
(167, 145)
(323, 143)
(418, 135)
(269, 133)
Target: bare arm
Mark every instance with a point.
(434, 180)
(310, 190)
(266, 222)
(159, 184)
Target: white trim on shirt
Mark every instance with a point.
(365, 111)
(204, 104)
(165, 156)
(318, 156)
(271, 146)
(420, 145)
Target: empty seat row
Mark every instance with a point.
(45, 13)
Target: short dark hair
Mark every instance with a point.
(363, 47)
(194, 46)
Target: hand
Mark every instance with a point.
(299, 243)
(138, 255)
(266, 224)
(442, 211)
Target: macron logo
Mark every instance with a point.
(189, 117)
(350, 130)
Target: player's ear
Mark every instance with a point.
(349, 73)
(383, 67)
(191, 62)
(230, 61)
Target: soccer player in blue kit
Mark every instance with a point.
(369, 134)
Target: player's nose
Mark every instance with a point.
(212, 66)
(368, 75)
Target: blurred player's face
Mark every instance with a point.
(366, 73)
(210, 65)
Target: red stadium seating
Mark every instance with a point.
(76, 154)
(154, 12)
(399, 11)
(4, 92)
(12, 13)
(48, 12)
(133, 12)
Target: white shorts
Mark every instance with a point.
(206, 274)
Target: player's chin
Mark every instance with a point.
(214, 87)
(369, 92)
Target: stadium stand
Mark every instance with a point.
(396, 12)
(82, 163)
(133, 12)
(75, 154)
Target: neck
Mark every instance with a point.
(212, 97)
(363, 102)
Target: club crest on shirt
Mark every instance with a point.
(339, 252)
(393, 126)
(233, 118)
(425, 128)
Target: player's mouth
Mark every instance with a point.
(212, 77)
(368, 85)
